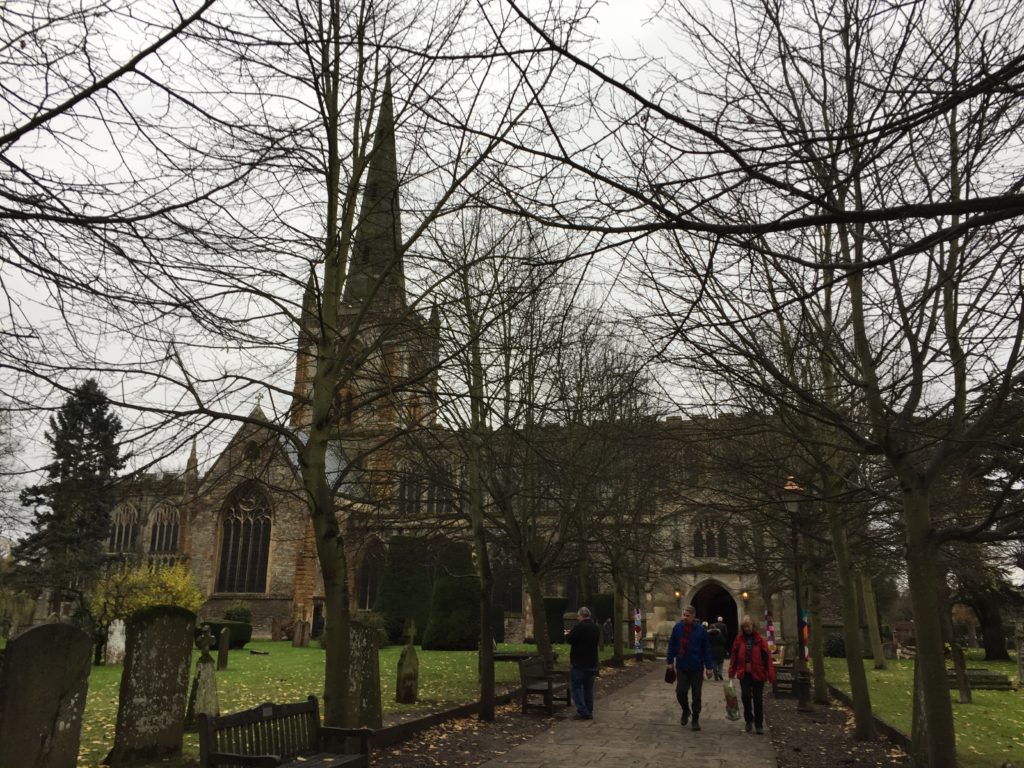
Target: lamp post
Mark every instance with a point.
(792, 494)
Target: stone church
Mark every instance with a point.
(242, 524)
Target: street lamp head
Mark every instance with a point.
(744, 595)
(678, 594)
(791, 494)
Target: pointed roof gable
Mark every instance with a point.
(376, 269)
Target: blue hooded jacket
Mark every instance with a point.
(698, 649)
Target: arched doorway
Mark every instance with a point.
(713, 600)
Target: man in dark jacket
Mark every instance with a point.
(689, 650)
(583, 640)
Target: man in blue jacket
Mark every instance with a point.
(689, 650)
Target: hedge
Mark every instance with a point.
(454, 623)
(405, 587)
(239, 632)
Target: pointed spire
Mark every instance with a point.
(376, 269)
(305, 353)
(192, 471)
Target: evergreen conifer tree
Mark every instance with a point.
(71, 519)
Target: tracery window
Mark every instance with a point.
(164, 531)
(710, 539)
(409, 490)
(440, 491)
(245, 541)
(124, 529)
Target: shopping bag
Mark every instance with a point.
(732, 704)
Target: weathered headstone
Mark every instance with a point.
(154, 685)
(407, 686)
(301, 636)
(223, 645)
(43, 683)
(364, 676)
(203, 697)
(114, 653)
(889, 650)
(275, 629)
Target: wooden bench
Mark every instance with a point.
(536, 679)
(784, 680)
(271, 735)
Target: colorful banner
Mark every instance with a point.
(769, 630)
(638, 648)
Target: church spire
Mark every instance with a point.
(376, 271)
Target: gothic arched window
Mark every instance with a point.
(440, 491)
(245, 541)
(369, 575)
(163, 537)
(710, 539)
(408, 491)
(124, 529)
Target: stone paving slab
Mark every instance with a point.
(638, 726)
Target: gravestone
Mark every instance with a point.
(407, 685)
(223, 645)
(203, 696)
(114, 653)
(364, 676)
(275, 630)
(154, 685)
(43, 683)
(301, 637)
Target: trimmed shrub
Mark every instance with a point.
(454, 605)
(498, 623)
(239, 613)
(603, 606)
(240, 632)
(835, 646)
(554, 611)
(405, 587)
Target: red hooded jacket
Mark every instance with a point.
(761, 667)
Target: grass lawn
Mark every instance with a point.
(988, 732)
(291, 674)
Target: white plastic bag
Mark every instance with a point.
(732, 704)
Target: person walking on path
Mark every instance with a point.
(689, 651)
(751, 661)
(583, 640)
(719, 650)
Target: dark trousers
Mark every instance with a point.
(689, 684)
(752, 691)
(581, 683)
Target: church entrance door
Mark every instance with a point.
(713, 600)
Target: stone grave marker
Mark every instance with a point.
(203, 697)
(114, 653)
(301, 637)
(43, 682)
(223, 645)
(364, 676)
(407, 686)
(154, 685)
(275, 630)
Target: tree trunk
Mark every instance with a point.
(817, 640)
(618, 621)
(937, 736)
(864, 723)
(956, 654)
(871, 614)
(993, 636)
(540, 623)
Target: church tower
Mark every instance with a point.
(393, 354)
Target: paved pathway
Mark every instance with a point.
(638, 726)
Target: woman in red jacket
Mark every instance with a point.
(751, 662)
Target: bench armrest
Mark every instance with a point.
(230, 758)
(336, 737)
